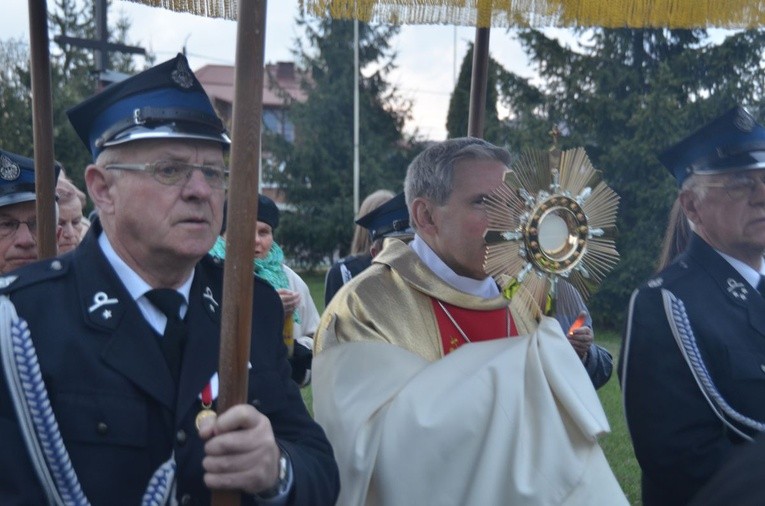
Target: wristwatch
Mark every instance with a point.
(285, 478)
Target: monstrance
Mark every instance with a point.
(552, 218)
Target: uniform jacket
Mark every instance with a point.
(113, 395)
(334, 280)
(678, 440)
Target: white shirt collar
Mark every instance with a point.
(137, 287)
(749, 274)
(485, 288)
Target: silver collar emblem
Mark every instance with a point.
(737, 289)
(101, 299)
(209, 296)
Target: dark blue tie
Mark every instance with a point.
(169, 302)
(761, 286)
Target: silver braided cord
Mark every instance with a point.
(37, 422)
(681, 328)
(160, 490)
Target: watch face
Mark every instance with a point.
(282, 486)
(283, 464)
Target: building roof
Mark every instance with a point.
(279, 78)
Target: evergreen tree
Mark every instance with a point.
(317, 175)
(459, 104)
(625, 95)
(72, 80)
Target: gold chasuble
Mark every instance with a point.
(425, 400)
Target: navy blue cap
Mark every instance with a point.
(17, 178)
(268, 212)
(389, 220)
(731, 142)
(165, 101)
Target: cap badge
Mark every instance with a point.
(744, 120)
(9, 170)
(182, 75)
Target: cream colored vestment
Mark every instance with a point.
(505, 422)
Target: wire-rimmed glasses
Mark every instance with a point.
(739, 186)
(9, 226)
(172, 173)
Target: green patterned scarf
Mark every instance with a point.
(269, 268)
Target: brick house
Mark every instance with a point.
(281, 87)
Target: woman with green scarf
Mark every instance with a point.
(301, 315)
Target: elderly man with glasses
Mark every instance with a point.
(18, 215)
(693, 359)
(128, 346)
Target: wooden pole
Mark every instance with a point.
(478, 82)
(242, 212)
(42, 127)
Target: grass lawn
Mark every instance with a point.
(617, 445)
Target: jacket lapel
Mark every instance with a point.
(736, 289)
(200, 356)
(130, 344)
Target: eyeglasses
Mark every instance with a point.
(738, 187)
(174, 173)
(9, 227)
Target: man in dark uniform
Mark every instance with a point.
(18, 215)
(391, 219)
(126, 376)
(693, 359)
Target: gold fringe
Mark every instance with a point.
(502, 13)
(225, 9)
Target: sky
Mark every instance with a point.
(428, 56)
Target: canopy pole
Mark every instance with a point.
(478, 83)
(42, 127)
(242, 212)
(356, 163)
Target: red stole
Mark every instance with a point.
(476, 325)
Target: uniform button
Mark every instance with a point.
(255, 402)
(180, 436)
(185, 500)
(102, 428)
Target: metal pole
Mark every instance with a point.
(355, 117)
(478, 83)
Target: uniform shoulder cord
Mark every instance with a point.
(38, 425)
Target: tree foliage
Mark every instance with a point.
(72, 80)
(459, 104)
(625, 95)
(317, 174)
